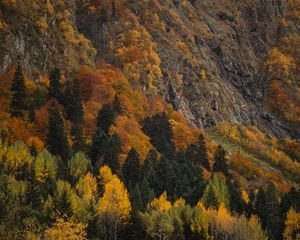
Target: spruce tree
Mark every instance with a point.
(99, 143)
(112, 151)
(220, 164)
(202, 153)
(77, 137)
(57, 137)
(33, 193)
(236, 202)
(131, 170)
(64, 205)
(272, 212)
(54, 90)
(117, 106)
(18, 91)
(105, 117)
(150, 161)
(260, 206)
(92, 227)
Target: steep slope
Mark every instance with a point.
(211, 53)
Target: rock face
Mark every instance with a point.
(205, 57)
(212, 54)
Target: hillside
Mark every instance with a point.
(153, 119)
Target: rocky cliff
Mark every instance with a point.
(205, 57)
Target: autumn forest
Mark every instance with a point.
(96, 142)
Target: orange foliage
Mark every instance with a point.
(184, 134)
(36, 142)
(131, 135)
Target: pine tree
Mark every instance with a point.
(220, 164)
(131, 170)
(57, 137)
(92, 227)
(64, 205)
(137, 201)
(33, 193)
(150, 161)
(272, 212)
(55, 85)
(105, 118)
(236, 202)
(18, 90)
(260, 206)
(202, 153)
(99, 143)
(112, 151)
(77, 137)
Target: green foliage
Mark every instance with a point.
(54, 90)
(78, 166)
(202, 153)
(99, 142)
(112, 152)
(105, 117)
(45, 166)
(57, 136)
(216, 193)
(18, 90)
(220, 164)
(131, 170)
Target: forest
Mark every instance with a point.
(86, 153)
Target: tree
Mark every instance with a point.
(77, 137)
(54, 90)
(220, 164)
(216, 193)
(159, 129)
(99, 143)
(57, 137)
(66, 229)
(18, 90)
(260, 205)
(150, 161)
(78, 166)
(236, 202)
(272, 212)
(131, 170)
(64, 205)
(105, 118)
(112, 151)
(292, 225)
(202, 151)
(117, 105)
(114, 208)
(33, 194)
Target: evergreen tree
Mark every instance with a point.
(99, 143)
(57, 137)
(64, 205)
(92, 227)
(272, 212)
(166, 177)
(77, 137)
(260, 206)
(136, 200)
(113, 150)
(150, 161)
(159, 129)
(105, 118)
(33, 193)
(131, 170)
(202, 153)
(220, 164)
(55, 85)
(146, 192)
(236, 201)
(18, 91)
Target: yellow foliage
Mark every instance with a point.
(161, 204)
(292, 225)
(67, 230)
(36, 142)
(115, 206)
(87, 187)
(105, 175)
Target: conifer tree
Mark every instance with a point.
(202, 151)
(236, 202)
(77, 137)
(18, 91)
(220, 164)
(64, 205)
(272, 212)
(55, 85)
(92, 227)
(105, 118)
(99, 143)
(150, 161)
(57, 137)
(33, 193)
(113, 150)
(260, 206)
(131, 170)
